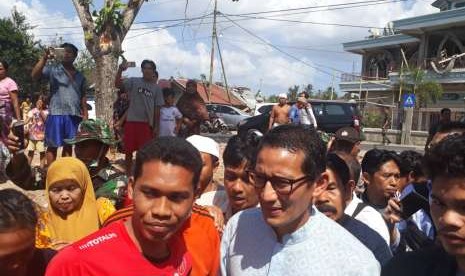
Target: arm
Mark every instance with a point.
(118, 80)
(270, 125)
(312, 116)
(85, 114)
(156, 121)
(178, 125)
(37, 70)
(14, 101)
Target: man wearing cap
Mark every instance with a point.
(347, 139)
(91, 145)
(338, 194)
(209, 193)
(306, 116)
(280, 112)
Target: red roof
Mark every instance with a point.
(218, 93)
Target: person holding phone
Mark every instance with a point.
(67, 103)
(445, 167)
(143, 114)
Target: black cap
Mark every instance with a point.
(349, 134)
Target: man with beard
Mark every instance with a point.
(334, 199)
(445, 166)
(149, 243)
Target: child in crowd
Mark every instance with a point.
(35, 120)
(170, 117)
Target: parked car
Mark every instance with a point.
(230, 115)
(261, 108)
(330, 116)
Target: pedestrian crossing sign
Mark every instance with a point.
(409, 100)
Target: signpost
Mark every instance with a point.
(409, 100)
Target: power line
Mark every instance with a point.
(317, 7)
(292, 56)
(306, 48)
(307, 22)
(277, 48)
(247, 17)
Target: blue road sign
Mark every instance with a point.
(409, 100)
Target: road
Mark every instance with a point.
(366, 146)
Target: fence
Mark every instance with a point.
(423, 118)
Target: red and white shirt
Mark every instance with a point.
(110, 251)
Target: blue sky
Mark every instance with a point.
(312, 52)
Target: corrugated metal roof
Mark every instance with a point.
(218, 93)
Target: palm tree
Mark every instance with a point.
(426, 91)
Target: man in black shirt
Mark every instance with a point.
(445, 165)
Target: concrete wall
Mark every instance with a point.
(418, 138)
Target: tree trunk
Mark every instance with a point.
(105, 91)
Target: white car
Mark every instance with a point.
(261, 108)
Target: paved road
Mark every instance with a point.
(395, 147)
(223, 138)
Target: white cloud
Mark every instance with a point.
(186, 51)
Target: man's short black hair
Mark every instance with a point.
(71, 47)
(339, 167)
(16, 211)
(296, 138)
(5, 64)
(237, 152)
(447, 158)
(411, 161)
(167, 92)
(173, 150)
(444, 110)
(148, 61)
(342, 145)
(352, 163)
(375, 158)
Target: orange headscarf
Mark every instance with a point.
(83, 221)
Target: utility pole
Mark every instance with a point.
(222, 67)
(212, 54)
(332, 87)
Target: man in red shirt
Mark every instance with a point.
(149, 243)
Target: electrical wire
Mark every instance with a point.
(275, 47)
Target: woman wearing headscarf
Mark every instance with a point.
(74, 212)
(8, 100)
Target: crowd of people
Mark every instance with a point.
(289, 204)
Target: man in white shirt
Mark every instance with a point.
(287, 235)
(361, 211)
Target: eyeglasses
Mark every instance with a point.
(281, 185)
